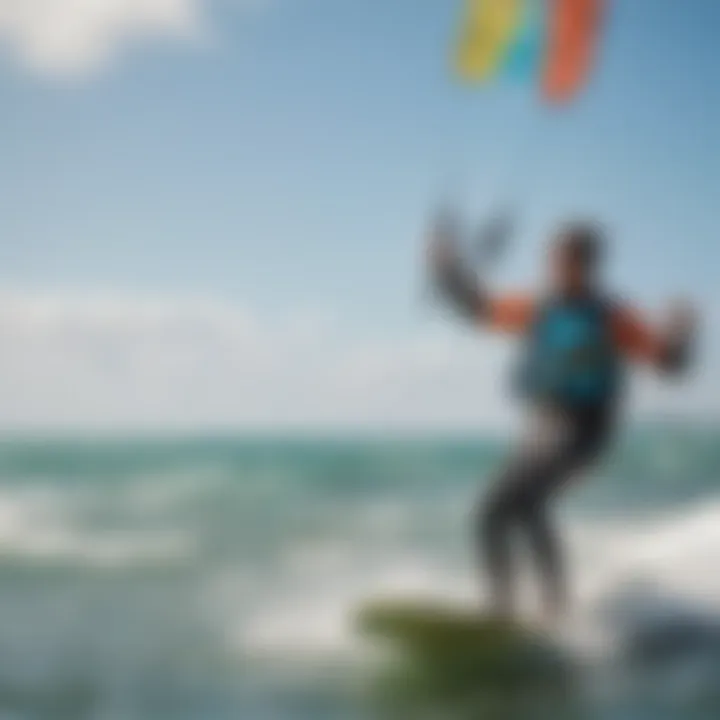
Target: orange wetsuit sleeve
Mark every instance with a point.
(635, 339)
(510, 313)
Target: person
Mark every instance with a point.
(577, 342)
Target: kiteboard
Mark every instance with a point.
(437, 651)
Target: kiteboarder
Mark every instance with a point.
(577, 341)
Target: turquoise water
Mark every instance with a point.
(216, 578)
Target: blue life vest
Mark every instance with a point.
(570, 358)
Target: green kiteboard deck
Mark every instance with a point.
(439, 652)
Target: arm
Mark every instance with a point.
(670, 350)
(461, 289)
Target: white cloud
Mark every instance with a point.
(95, 361)
(98, 362)
(70, 37)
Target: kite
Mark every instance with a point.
(554, 41)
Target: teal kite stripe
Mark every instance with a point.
(524, 56)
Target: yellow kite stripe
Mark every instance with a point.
(490, 28)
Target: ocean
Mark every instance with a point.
(210, 579)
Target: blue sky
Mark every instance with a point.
(282, 157)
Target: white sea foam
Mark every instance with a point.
(315, 616)
(39, 524)
(680, 552)
(674, 558)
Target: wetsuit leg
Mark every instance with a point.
(495, 525)
(516, 504)
(548, 554)
(557, 448)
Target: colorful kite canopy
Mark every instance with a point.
(554, 40)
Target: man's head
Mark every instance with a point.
(575, 258)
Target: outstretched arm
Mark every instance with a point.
(460, 288)
(670, 349)
(454, 281)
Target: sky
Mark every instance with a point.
(211, 211)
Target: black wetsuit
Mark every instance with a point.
(558, 444)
